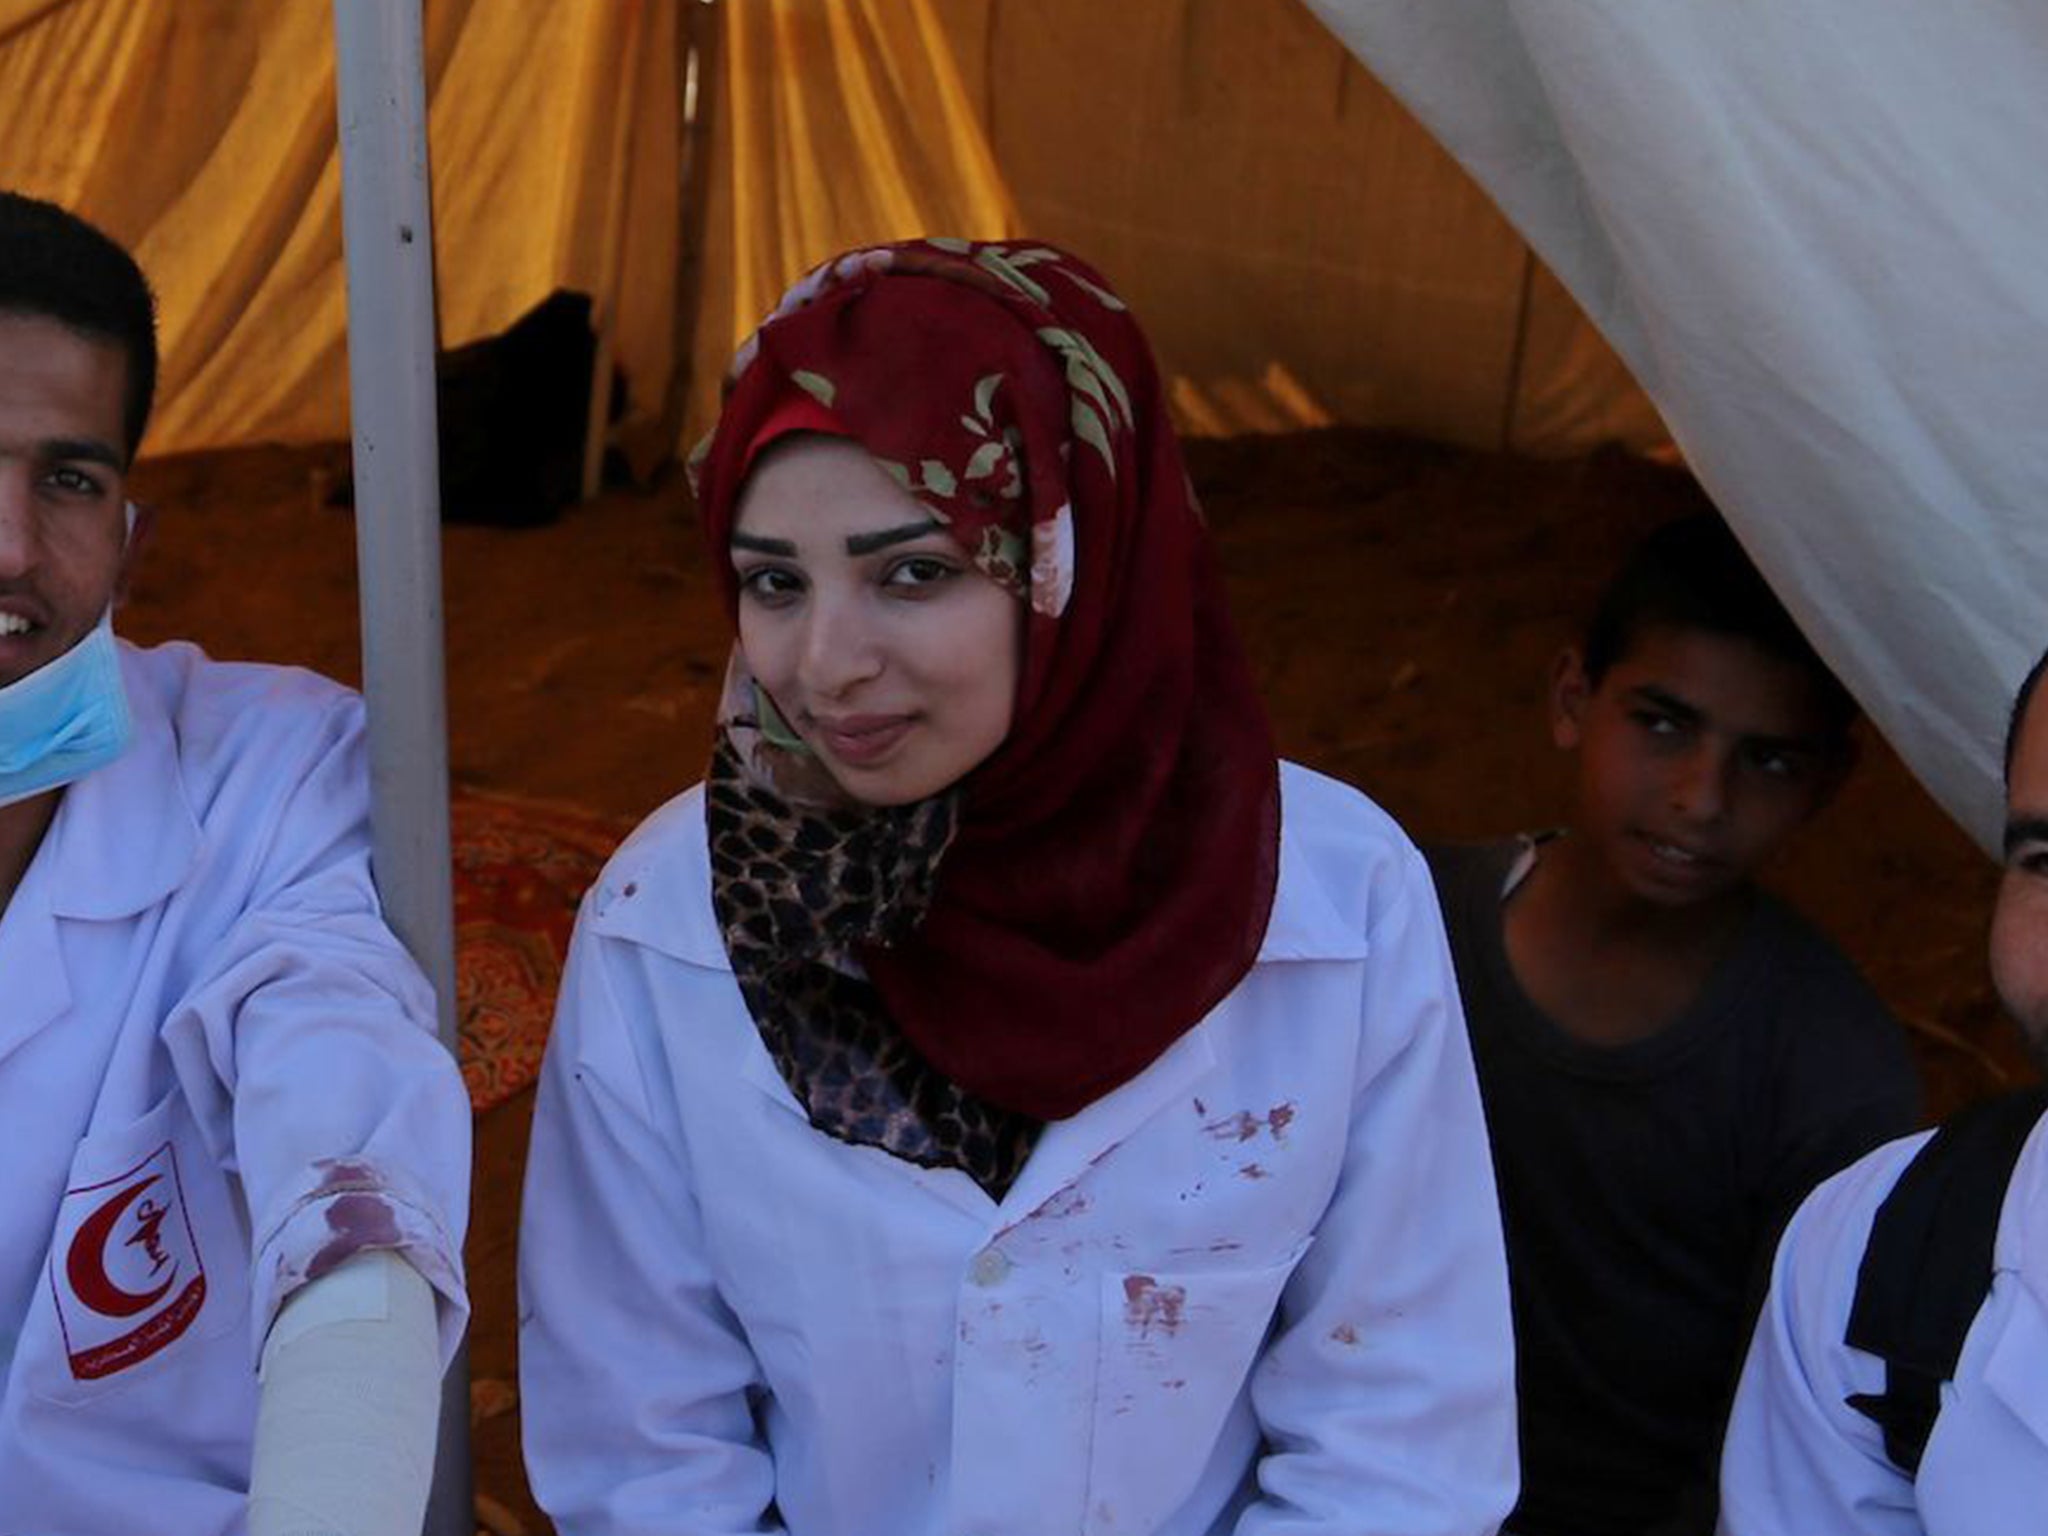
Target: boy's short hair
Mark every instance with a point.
(2018, 717)
(55, 265)
(1692, 574)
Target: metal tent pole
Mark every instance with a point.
(388, 235)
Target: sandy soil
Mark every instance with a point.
(1402, 604)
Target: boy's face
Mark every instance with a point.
(1698, 755)
(2019, 923)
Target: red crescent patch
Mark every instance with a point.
(85, 1266)
(130, 1281)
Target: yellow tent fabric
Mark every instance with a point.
(202, 134)
(1298, 247)
(837, 125)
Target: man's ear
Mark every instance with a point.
(1569, 693)
(142, 521)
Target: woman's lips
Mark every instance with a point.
(860, 741)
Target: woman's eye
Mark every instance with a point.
(920, 571)
(1656, 724)
(769, 584)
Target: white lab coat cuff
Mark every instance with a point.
(350, 1205)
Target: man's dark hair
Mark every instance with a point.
(1692, 574)
(2018, 718)
(55, 265)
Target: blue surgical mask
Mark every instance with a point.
(64, 719)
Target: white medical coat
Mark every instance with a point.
(1800, 1462)
(1275, 1251)
(218, 1078)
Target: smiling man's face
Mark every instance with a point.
(63, 471)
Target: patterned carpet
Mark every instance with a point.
(520, 869)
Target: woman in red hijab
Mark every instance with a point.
(1001, 1098)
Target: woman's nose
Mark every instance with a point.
(840, 647)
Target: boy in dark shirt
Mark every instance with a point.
(1670, 1058)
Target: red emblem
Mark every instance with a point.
(125, 1268)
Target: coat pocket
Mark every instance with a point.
(148, 1265)
(1174, 1360)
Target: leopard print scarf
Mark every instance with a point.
(799, 892)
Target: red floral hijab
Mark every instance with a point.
(1107, 874)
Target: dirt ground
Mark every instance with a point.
(1401, 602)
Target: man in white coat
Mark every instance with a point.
(1808, 1451)
(233, 1143)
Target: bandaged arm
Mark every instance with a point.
(349, 1405)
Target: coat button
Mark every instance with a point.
(991, 1267)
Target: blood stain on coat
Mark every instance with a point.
(341, 1173)
(1201, 1108)
(1241, 1126)
(1147, 1304)
(1244, 1125)
(359, 1222)
(1344, 1333)
(1253, 1171)
(1176, 1384)
(1063, 1202)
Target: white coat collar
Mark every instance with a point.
(125, 836)
(656, 892)
(656, 889)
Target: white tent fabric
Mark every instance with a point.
(1815, 234)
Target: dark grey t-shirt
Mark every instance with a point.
(1643, 1187)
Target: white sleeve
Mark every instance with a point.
(1798, 1461)
(350, 1405)
(637, 1385)
(310, 1036)
(1387, 1397)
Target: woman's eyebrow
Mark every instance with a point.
(758, 546)
(882, 538)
